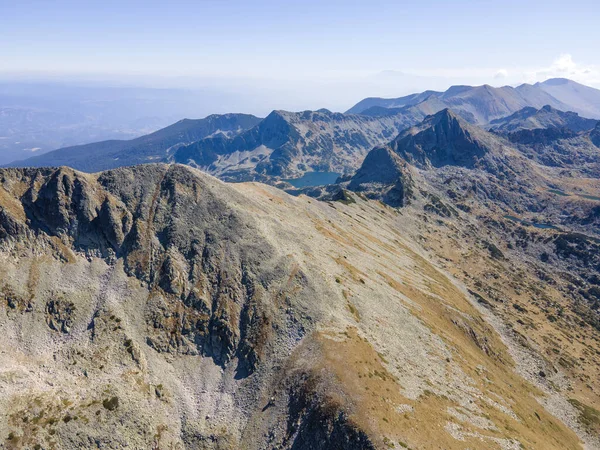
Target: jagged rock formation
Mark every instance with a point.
(157, 307)
(383, 176)
(553, 138)
(238, 147)
(207, 294)
(288, 144)
(441, 140)
(445, 146)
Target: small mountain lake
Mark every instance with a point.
(313, 179)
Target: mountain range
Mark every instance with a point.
(37, 117)
(156, 146)
(287, 145)
(443, 292)
(482, 104)
(240, 147)
(530, 118)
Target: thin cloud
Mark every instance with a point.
(501, 74)
(565, 67)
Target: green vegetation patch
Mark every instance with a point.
(588, 416)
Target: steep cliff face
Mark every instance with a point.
(383, 176)
(158, 307)
(208, 271)
(441, 140)
(213, 288)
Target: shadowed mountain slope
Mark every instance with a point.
(444, 139)
(155, 147)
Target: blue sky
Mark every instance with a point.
(334, 52)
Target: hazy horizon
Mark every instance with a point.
(326, 55)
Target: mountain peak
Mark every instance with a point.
(557, 81)
(441, 139)
(447, 117)
(446, 114)
(383, 176)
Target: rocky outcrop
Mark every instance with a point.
(441, 140)
(59, 315)
(383, 176)
(209, 273)
(274, 132)
(317, 422)
(540, 136)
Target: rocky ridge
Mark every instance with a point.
(156, 306)
(287, 144)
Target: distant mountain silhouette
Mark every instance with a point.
(546, 117)
(154, 147)
(582, 99)
(483, 104)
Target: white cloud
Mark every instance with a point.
(501, 74)
(564, 63)
(565, 67)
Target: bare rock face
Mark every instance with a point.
(15, 302)
(287, 144)
(205, 267)
(440, 140)
(384, 176)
